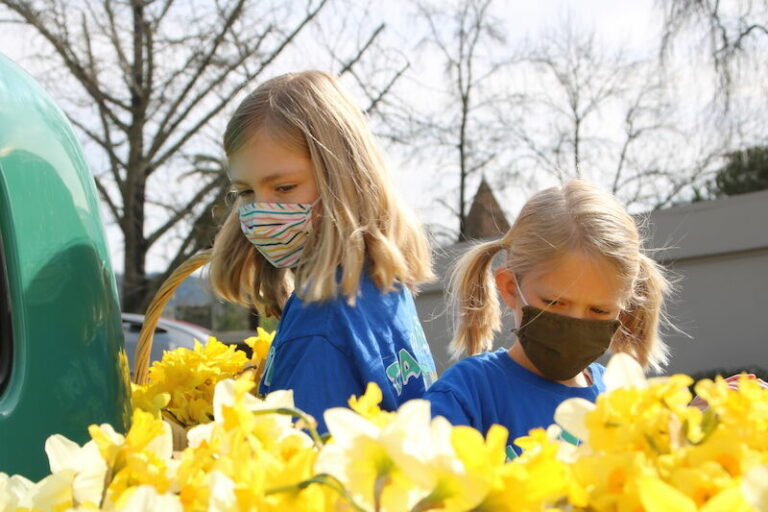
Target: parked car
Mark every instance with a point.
(62, 361)
(169, 335)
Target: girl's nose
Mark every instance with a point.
(575, 312)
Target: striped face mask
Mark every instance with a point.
(278, 230)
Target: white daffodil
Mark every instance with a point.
(755, 487)
(622, 371)
(422, 448)
(226, 394)
(14, 490)
(89, 467)
(358, 457)
(53, 492)
(223, 497)
(144, 498)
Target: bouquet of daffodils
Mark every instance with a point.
(642, 449)
(181, 385)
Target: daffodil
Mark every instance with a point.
(358, 458)
(88, 468)
(260, 344)
(143, 498)
(367, 405)
(183, 382)
(141, 457)
(422, 448)
(755, 487)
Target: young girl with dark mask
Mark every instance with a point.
(577, 281)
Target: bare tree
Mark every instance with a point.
(458, 131)
(586, 111)
(729, 32)
(156, 74)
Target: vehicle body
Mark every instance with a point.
(62, 361)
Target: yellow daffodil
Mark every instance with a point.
(367, 406)
(183, 382)
(260, 344)
(643, 449)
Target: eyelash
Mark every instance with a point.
(282, 189)
(557, 302)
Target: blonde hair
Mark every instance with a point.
(362, 226)
(575, 216)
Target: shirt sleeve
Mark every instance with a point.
(445, 402)
(319, 373)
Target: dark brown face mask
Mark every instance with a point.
(562, 346)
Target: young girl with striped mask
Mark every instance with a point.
(318, 238)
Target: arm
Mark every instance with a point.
(446, 403)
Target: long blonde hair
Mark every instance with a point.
(362, 221)
(575, 216)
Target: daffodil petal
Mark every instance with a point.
(145, 497)
(623, 371)
(62, 452)
(755, 487)
(571, 416)
(658, 495)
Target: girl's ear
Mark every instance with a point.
(507, 285)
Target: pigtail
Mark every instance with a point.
(473, 293)
(239, 274)
(639, 332)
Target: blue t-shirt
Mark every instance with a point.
(492, 388)
(328, 351)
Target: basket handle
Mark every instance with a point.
(155, 308)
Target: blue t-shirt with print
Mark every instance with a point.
(328, 351)
(492, 388)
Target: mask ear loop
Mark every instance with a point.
(515, 330)
(525, 301)
(519, 290)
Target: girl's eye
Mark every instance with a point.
(242, 193)
(600, 311)
(551, 302)
(285, 188)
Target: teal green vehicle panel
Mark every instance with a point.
(69, 367)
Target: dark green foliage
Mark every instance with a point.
(745, 171)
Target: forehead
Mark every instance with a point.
(579, 278)
(263, 158)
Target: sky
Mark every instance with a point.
(634, 25)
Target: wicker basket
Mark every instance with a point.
(155, 309)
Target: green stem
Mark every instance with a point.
(429, 502)
(320, 479)
(378, 489)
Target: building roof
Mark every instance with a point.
(485, 218)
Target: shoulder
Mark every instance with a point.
(471, 370)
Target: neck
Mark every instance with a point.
(518, 355)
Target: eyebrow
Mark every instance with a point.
(545, 296)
